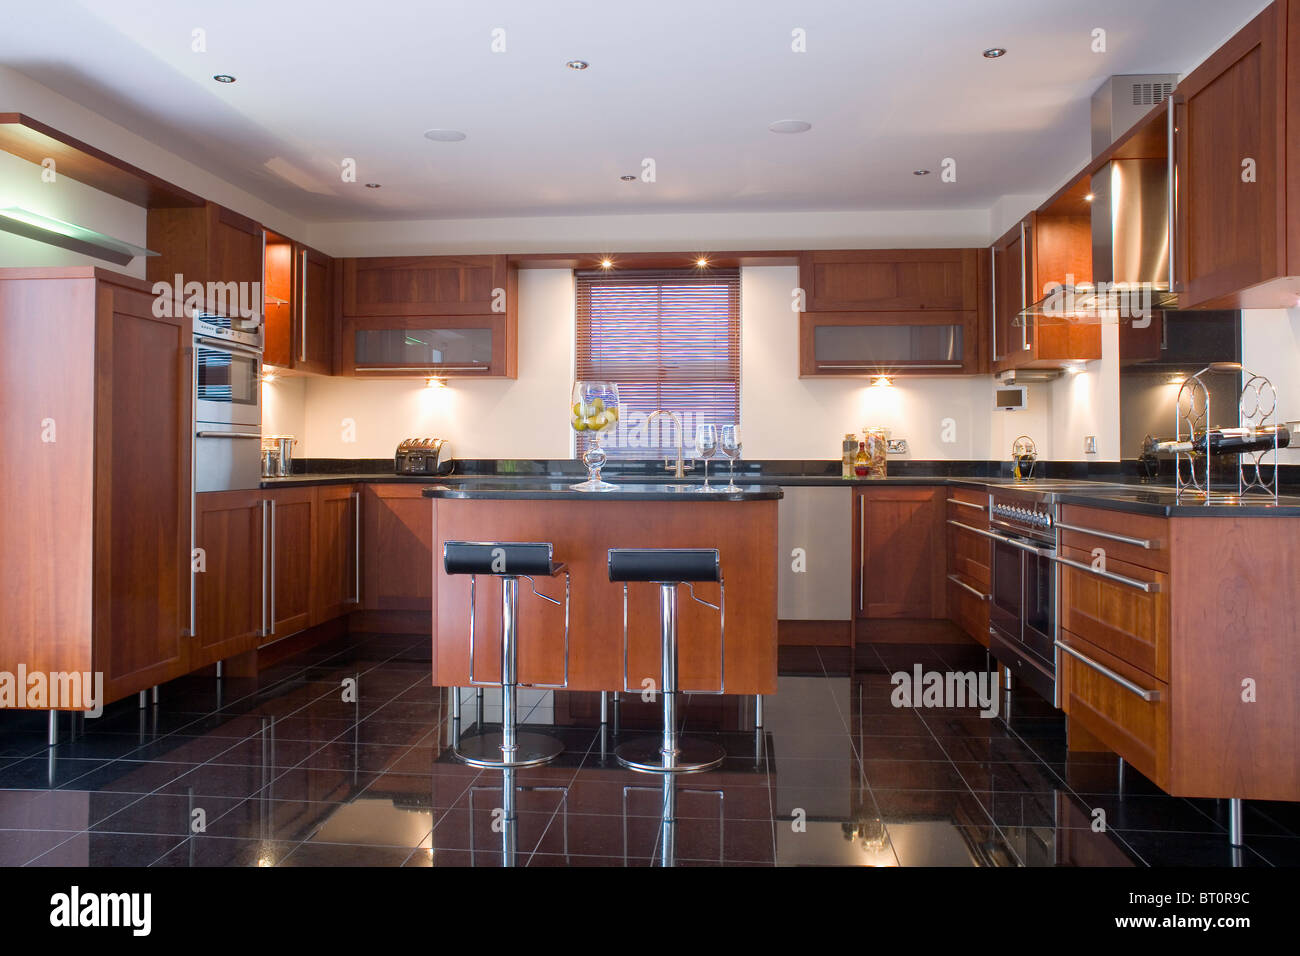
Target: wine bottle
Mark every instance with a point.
(1222, 441)
(861, 465)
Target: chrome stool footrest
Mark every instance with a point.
(647, 755)
(485, 750)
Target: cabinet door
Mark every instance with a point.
(291, 549)
(893, 343)
(453, 346)
(231, 598)
(1010, 296)
(865, 280)
(814, 544)
(1228, 111)
(235, 249)
(336, 552)
(397, 556)
(313, 310)
(901, 558)
(277, 289)
(423, 285)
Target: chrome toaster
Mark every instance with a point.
(423, 456)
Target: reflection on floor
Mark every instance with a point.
(285, 771)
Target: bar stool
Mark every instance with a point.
(508, 561)
(669, 567)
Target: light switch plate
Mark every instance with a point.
(1090, 444)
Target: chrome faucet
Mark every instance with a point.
(680, 471)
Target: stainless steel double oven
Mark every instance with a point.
(227, 404)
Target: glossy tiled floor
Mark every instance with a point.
(285, 771)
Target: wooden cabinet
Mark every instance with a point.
(1037, 254)
(96, 427)
(211, 245)
(889, 343)
(900, 552)
(299, 306)
(290, 574)
(969, 561)
(1238, 169)
(231, 599)
(468, 346)
(896, 312)
(427, 285)
(890, 280)
(397, 551)
(336, 552)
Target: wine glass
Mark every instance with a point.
(706, 446)
(594, 409)
(730, 446)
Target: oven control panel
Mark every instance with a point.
(1031, 517)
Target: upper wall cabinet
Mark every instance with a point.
(208, 244)
(868, 280)
(426, 285)
(299, 289)
(1237, 149)
(1038, 252)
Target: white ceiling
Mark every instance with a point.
(888, 87)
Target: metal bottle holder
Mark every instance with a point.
(1024, 457)
(1256, 408)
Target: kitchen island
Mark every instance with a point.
(583, 527)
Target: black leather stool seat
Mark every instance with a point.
(503, 558)
(664, 565)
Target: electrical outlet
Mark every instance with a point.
(1090, 444)
(896, 446)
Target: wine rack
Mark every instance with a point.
(1256, 407)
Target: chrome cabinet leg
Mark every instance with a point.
(758, 711)
(155, 695)
(455, 703)
(1236, 834)
(144, 699)
(604, 707)
(54, 728)
(220, 669)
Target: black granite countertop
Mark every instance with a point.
(532, 489)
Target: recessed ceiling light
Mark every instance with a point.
(577, 64)
(607, 263)
(701, 262)
(372, 185)
(920, 172)
(224, 78)
(629, 178)
(444, 135)
(790, 126)
(993, 52)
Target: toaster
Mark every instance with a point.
(423, 456)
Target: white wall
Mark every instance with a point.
(1270, 346)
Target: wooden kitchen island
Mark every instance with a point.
(583, 527)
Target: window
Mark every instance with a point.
(669, 340)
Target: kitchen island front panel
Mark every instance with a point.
(583, 528)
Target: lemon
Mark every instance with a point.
(595, 423)
(579, 425)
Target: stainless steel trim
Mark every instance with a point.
(356, 548)
(1024, 279)
(266, 558)
(893, 369)
(962, 584)
(227, 345)
(302, 341)
(1172, 190)
(194, 494)
(1150, 587)
(862, 551)
(226, 435)
(993, 290)
(425, 369)
(966, 504)
(1147, 695)
(1124, 539)
(272, 566)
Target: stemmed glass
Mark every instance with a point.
(594, 408)
(706, 446)
(731, 448)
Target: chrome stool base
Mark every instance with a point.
(484, 750)
(646, 754)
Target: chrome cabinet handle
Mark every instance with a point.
(896, 370)
(999, 537)
(965, 504)
(993, 289)
(425, 369)
(1024, 285)
(356, 548)
(1122, 538)
(272, 566)
(227, 435)
(265, 504)
(862, 552)
(1150, 587)
(1147, 695)
(302, 342)
(962, 584)
(1172, 189)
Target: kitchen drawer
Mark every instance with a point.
(969, 505)
(1121, 535)
(967, 610)
(969, 555)
(1122, 619)
(1135, 728)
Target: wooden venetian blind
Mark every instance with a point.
(668, 339)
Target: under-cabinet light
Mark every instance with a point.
(68, 235)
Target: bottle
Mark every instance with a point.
(847, 451)
(1222, 441)
(861, 465)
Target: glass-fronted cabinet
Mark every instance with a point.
(447, 346)
(889, 343)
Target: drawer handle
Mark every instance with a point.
(1150, 587)
(962, 584)
(965, 504)
(1123, 538)
(1147, 695)
(1023, 546)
